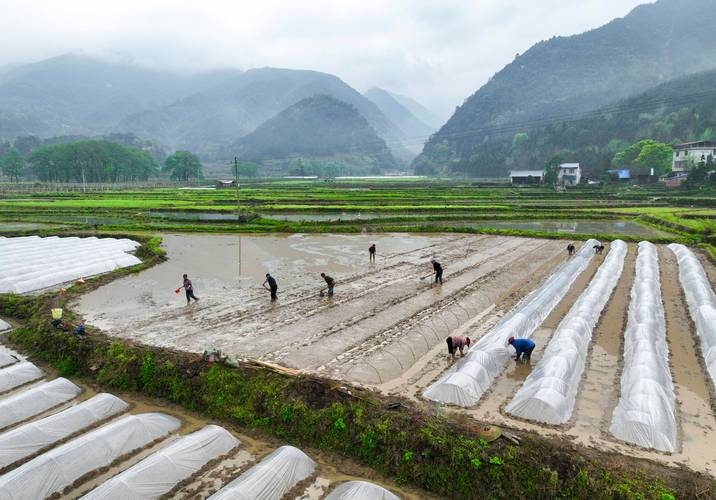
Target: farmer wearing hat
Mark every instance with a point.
(438, 270)
(523, 347)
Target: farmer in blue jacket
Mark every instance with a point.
(524, 348)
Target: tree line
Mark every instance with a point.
(93, 161)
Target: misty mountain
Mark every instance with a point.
(75, 94)
(418, 110)
(208, 120)
(317, 127)
(651, 45)
(414, 129)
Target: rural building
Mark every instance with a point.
(224, 184)
(675, 180)
(569, 174)
(692, 153)
(643, 175)
(526, 177)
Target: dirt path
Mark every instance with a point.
(599, 390)
(690, 379)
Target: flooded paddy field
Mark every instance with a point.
(385, 326)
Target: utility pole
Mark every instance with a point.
(238, 197)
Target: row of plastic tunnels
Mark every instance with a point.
(46, 456)
(646, 412)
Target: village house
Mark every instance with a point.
(526, 177)
(692, 153)
(570, 174)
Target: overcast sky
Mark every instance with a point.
(436, 51)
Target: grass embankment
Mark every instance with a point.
(444, 455)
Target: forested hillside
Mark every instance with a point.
(678, 111)
(317, 127)
(566, 75)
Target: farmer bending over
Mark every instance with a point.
(456, 342)
(523, 347)
(330, 282)
(438, 270)
(189, 290)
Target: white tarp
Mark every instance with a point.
(361, 490)
(466, 382)
(645, 414)
(549, 393)
(26, 440)
(157, 474)
(6, 357)
(4, 326)
(35, 400)
(271, 479)
(18, 374)
(33, 263)
(58, 468)
(702, 303)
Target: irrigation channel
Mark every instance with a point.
(59, 437)
(385, 327)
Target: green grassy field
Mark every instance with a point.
(367, 205)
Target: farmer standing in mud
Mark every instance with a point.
(189, 290)
(571, 249)
(371, 252)
(438, 270)
(457, 342)
(523, 347)
(330, 282)
(272, 286)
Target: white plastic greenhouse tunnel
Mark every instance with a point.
(33, 263)
(18, 374)
(271, 478)
(645, 414)
(549, 393)
(157, 474)
(6, 358)
(702, 303)
(361, 490)
(26, 440)
(60, 467)
(35, 400)
(466, 382)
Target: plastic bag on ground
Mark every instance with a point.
(4, 326)
(60, 467)
(490, 352)
(645, 414)
(270, 479)
(157, 474)
(18, 374)
(35, 400)
(549, 392)
(361, 490)
(702, 303)
(26, 440)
